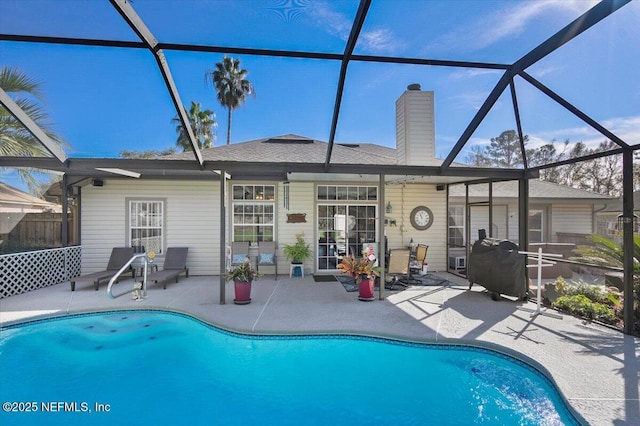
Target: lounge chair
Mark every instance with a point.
(119, 257)
(175, 263)
(398, 267)
(267, 255)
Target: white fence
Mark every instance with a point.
(23, 272)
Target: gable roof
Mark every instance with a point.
(538, 189)
(294, 149)
(12, 200)
(617, 204)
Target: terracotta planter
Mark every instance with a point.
(365, 288)
(243, 292)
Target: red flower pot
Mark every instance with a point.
(365, 288)
(243, 292)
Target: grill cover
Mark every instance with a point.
(497, 266)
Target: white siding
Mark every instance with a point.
(301, 200)
(576, 218)
(415, 128)
(435, 237)
(572, 219)
(191, 220)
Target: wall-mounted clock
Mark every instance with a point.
(421, 218)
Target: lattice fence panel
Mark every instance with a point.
(22, 272)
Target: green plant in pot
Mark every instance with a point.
(298, 252)
(363, 270)
(242, 276)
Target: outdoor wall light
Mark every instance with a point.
(389, 208)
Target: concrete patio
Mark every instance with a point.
(595, 368)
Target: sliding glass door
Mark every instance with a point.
(342, 230)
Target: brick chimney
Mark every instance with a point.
(415, 127)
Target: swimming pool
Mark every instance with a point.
(156, 367)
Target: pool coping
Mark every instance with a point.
(563, 349)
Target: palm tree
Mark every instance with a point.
(606, 252)
(15, 139)
(203, 125)
(232, 86)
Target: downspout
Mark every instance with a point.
(594, 218)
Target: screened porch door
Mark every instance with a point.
(342, 229)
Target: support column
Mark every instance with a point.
(523, 214)
(627, 237)
(382, 247)
(523, 219)
(223, 236)
(64, 228)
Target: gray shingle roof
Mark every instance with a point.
(13, 196)
(300, 149)
(537, 189)
(295, 149)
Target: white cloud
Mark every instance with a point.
(541, 71)
(626, 128)
(467, 73)
(375, 40)
(507, 22)
(469, 99)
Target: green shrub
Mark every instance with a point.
(593, 292)
(581, 305)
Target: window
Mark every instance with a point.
(535, 226)
(253, 212)
(347, 193)
(456, 226)
(146, 224)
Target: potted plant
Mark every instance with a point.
(242, 276)
(364, 271)
(297, 253)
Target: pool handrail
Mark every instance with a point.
(113, 279)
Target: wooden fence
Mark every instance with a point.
(41, 230)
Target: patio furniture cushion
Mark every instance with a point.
(266, 257)
(238, 258)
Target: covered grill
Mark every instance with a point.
(497, 266)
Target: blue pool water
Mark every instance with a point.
(150, 367)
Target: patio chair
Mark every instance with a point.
(119, 257)
(398, 267)
(239, 252)
(175, 263)
(267, 255)
(415, 264)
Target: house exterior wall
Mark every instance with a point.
(557, 218)
(572, 219)
(301, 200)
(192, 218)
(404, 198)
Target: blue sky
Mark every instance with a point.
(105, 100)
